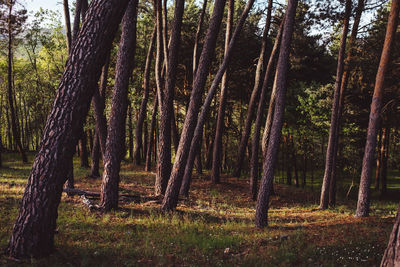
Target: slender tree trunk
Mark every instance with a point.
(130, 134)
(370, 146)
(77, 20)
(324, 200)
(197, 37)
(67, 25)
(260, 113)
(255, 93)
(143, 105)
(385, 156)
(198, 132)
(94, 172)
(33, 232)
(276, 129)
(14, 121)
(294, 161)
(305, 159)
(379, 160)
(83, 148)
(116, 130)
(391, 257)
(217, 150)
(151, 135)
(171, 196)
(164, 145)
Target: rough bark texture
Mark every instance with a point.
(116, 130)
(373, 127)
(217, 150)
(198, 133)
(276, 130)
(254, 94)
(164, 145)
(151, 135)
(329, 160)
(260, 114)
(391, 257)
(145, 98)
(33, 233)
(77, 20)
(171, 196)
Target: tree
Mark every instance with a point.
(280, 84)
(171, 195)
(376, 105)
(143, 105)
(11, 25)
(33, 232)
(217, 150)
(151, 134)
(254, 94)
(115, 143)
(324, 200)
(391, 257)
(67, 25)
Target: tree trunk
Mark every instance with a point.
(260, 113)
(254, 94)
(379, 160)
(151, 135)
(14, 121)
(130, 134)
(77, 20)
(83, 148)
(276, 129)
(217, 150)
(294, 161)
(94, 172)
(391, 257)
(33, 233)
(67, 25)
(171, 197)
(143, 105)
(330, 152)
(198, 132)
(385, 156)
(370, 146)
(116, 130)
(197, 37)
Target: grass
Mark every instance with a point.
(214, 227)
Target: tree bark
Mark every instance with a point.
(77, 20)
(116, 130)
(67, 25)
(329, 161)
(171, 196)
(379, 160)
(217, 150)
(33, 232)
(276, 129)
(254, 94)
(376, 105)
(197, 37)
(84, 151)
(391, 257)
(260, 113)
(94, 171)
(145, 98)
(385, 156)
(198, 132)
(130, 134)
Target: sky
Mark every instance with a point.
(35, 5)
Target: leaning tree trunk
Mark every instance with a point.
(329, 160)
(67, 25)
(33, 233)
(171, 195)
(197, 37)
(391, 257)
(376, 105)
(254, 94)
(10, 93)
(143, 105)
(276, 130)
(198, 133)
(260, 115)
(164, 145)
(116, 130)
(217, 150)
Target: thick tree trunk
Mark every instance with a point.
(116, 130)
(171, 196)
(198, 132)
(391, 257)
(376, 105)
(10, 93)
(254, 94)
(217, 150)
(33, 233)
(276, 129)
(330, 152)
(151, 135)
(260, 114)
(164, 145)
(145, 98)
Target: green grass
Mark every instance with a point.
(213, 228)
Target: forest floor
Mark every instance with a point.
(214, 227)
